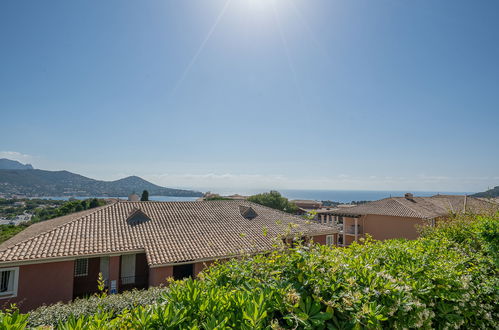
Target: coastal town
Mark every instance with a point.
(249, 165)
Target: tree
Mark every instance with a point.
(94, 202)
(145, 196)
(274, 200)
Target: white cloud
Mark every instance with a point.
(14, 155)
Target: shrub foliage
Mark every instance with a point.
(446, 279)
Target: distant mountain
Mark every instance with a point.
(7, 164)
(40, 183)
(491, 193)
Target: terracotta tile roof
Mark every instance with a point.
(174, 232)
(420, 207)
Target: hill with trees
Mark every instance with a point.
(38, 183)
(491, 193)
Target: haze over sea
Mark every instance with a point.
(343, 196)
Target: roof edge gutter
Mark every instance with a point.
(66, 258)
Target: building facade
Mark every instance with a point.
(401, 217)
(138, 245)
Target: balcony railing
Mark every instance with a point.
(130, 282)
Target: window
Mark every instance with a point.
(329, 240)
(8, 281)
(128, 268)
(104, 268)
(81, 267)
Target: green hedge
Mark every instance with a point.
(446, 279)
(112, 304)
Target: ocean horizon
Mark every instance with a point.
(342, 196)
(347, 196)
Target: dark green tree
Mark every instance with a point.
(94, 202)
(274, 200)
(145, 196)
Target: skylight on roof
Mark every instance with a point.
(136, 217)
(247, 212)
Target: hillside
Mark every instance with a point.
(491, 193)
(7, 164)
(30, 182)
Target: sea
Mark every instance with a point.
(342, 196)
(151, 198)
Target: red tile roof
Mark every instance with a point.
(174, 232)
(420, 207)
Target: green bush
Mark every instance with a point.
(446, 279)
(275, 200)
(8, 231)
(112, 304)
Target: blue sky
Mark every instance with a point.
(255, 94)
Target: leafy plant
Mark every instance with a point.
(448, 278)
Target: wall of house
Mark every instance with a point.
(382, 227)
(45, 283)
(321, 239)
(158, 275)
(199, 266)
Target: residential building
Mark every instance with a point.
(133, 197)
(138, 245)
(327, 215)
(399, 217)
(307, 204)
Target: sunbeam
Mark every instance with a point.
(286, 50)
(201, 47)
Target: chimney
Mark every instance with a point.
(409, 196)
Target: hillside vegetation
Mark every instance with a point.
(275, 200)
(59, 209)
(446, 279)
(11, 208)
(31, 182)
(491, 193)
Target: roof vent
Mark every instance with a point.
(409, 196)
(136, 216)
(247, 212)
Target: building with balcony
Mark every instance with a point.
(400, 217)
(138, 245)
